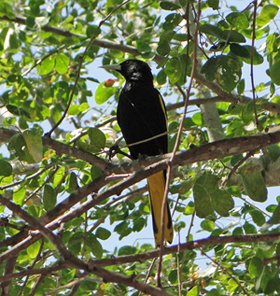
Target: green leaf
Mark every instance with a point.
(171, 21)
(173, 276)
(33, 141)
(61, 63)
(46, 66)
(94, 245)
(197, 119)
(143, 46)
(161, 77)
(194, 291)
(166, 5)
(126, 250)
(6, 9)
(241, 86)
(5, 168)
(14, 42)
(214, 4)
(19, 195)
(96, 172)
(225, 69)
(102, 233)
(211, 30)
(238, 20)
(173, 70)
(93, 31)
(257, 58)
(275, 219)
(72, 183)
(75, 242)
(209, 198)
(258, 217)
(58, 176)
(267, 14)
(232, 36)
(274, 72)
(33, 250)
(207, 225)
(138, 224)
(49, 197)
(276, 2)
(252, 179)
(122, 229)
(164, 42)
(103, 93)
(222, 202)
(239, 50)
(97, 139)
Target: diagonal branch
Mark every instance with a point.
(228, 97)
(143, 169)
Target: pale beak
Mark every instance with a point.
(114, 67)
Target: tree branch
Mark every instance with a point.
(142, 170)
(269, 106)
(197, 244)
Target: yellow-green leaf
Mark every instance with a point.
(61, 63)
(33, 141)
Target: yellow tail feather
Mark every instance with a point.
(156, 184)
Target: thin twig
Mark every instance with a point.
(255, 2)
(190, 227)
(31, 267)
(178, 139)
(179, 273)
(81, 59)
(227, 272)
(238, 164)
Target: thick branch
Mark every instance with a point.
(98, 42)
(47, 233)
(272, 107)
(128, 281)
(249, 239)
(60, 149)
(143, 169)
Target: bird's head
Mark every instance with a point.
(133, 70)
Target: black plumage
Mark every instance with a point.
(141, 116)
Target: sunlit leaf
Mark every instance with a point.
(61, 63)
(46, 66)
(33, 250)
(97, 139)
(103, 93)
(267, 14)
(238, 20)
(33, 141)
(274, 72)
(253, 180)
(209, 198)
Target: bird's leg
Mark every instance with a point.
(115, 149)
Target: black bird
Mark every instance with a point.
(141, 115)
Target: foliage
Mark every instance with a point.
(50, 57)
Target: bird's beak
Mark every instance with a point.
(114, 67)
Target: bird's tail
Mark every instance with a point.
(156, 184)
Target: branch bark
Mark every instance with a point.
(197, 244)
(269, 106)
